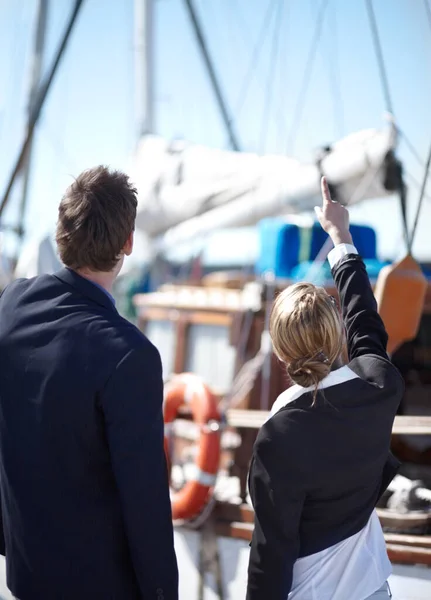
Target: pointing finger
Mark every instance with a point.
(326, 195)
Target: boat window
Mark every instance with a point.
(162, 335)
(210, 355)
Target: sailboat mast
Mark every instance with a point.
(35, 73)
(39, 103)
(144, 66)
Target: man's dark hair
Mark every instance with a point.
(96, 216)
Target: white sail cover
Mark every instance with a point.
(37, 258)
(186, 190)
(5, 267)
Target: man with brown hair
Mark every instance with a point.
(84, 487)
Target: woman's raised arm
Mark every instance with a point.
(365, 330)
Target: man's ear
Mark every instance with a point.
(128, 246)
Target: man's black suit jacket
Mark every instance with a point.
(84, 489)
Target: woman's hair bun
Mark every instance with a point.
(308, 372)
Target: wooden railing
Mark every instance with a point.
(254, 419)
(236, 521)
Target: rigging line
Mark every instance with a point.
(40, 100)
(334, 73)
(307, 76)
(389, 107)
(416, 183)
(14, 68)
(58, 147)
(410, 146)
(269, 96)
(332, 64)
(379, 55)
(232, 46)
(35, 77)
(402, 195)
(421, 197)
(428, 10)
(240, 20)
(281, 108)
(254, 57)
(209, 64)
(383, 71)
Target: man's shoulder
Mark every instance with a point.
(118, 337)
(14, 286)
(135, 338)
(42, 280)
(128, 351)
(20, 285)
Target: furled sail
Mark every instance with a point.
(38, 257)
(186, 190)
(5, 267)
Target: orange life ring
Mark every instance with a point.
(189, 389)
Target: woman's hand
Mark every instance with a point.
(333, 217)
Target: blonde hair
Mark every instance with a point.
(307, 333)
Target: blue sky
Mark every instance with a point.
(90, 115)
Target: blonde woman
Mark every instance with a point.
(322, 460)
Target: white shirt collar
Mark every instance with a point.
(295, 391)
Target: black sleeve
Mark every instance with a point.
(277, 501)
(366, 333)
(2, 540)
(132, 405)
